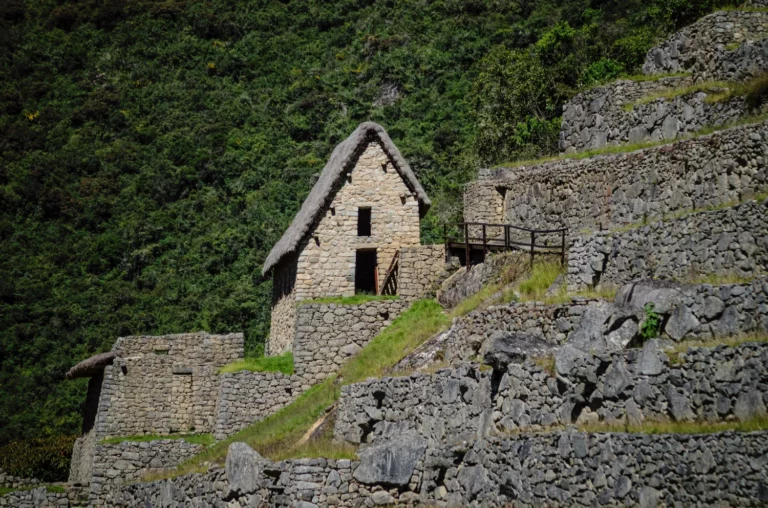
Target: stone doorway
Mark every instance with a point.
(366, 272)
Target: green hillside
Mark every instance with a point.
(151, 152)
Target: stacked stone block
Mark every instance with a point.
(125, 462)
(163, 385)
(421, 270)
(328, 335)
(704, 47)
(729, 241)
(248, 397)
(606, 116)
(613, 190)
(551, 469)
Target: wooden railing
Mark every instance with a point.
(502, 237)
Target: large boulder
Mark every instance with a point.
(390, 462)
(504, 348)
(243, 467)
(665, 296)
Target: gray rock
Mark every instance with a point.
(649, 361)
(622, 487)
(243, 467)
(474, 479)
(649, 497)
(505, 348)
(749, 405)
(665, 295)
(679, 405)
(390, 462)
(622, 336)
(681, 322)
(382, 497)
(617, 379)
(567, 357)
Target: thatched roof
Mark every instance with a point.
(343, 158)
(92, 365)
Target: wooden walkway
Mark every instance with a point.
(477, 236)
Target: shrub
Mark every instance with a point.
(46, 459)
(651, 327)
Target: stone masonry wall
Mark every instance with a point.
(552, 323)
(618, 189)
(248, 397)
(699, 47)
(41, 498)
(81, 463)
(731, 241)
(166, 384)
(283, 318)
(421, 270)
(599, 117)
(712, 384)
(327, 335)
(326, 263)
(552, 469)
(125, 462)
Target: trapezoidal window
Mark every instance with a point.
(363, 222)
(366, 272)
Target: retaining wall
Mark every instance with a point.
(327, 335)
(248, 397)
(558, 468)
(618, 189)
(125, 462)
(700, 47)
(606, 116)
(711, 384)
(551, 323)
(731, 241)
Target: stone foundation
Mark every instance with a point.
(327, 335)
(248, 397)
(731, 241)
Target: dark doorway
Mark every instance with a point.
(363, 222)
(365, 272)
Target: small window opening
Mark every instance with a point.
(363, 222)
(365, 272)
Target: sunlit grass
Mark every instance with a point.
(564, 296)
(350, 300)
(656, 77)
(199, 439)
(673, 427)
(276, 436)
(543, 275)
(471, 303)
(282, 363)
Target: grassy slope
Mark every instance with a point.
(276, 435)
(282, 363)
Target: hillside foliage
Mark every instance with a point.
(152, 151)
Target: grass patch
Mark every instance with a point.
(671, 427)
(547, 364)
(719, 280)
(473, 302)
(541, 278)
(350, 300)
(276, 435)
(710, 87)
(676, 353)
(198, 439)
(656, 77)
(282, 363)
(53, 489)
(564, 296)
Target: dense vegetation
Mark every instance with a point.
(152, 151)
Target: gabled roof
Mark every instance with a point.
(343, 158)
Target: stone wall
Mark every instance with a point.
(552, 469)
(606, 116)
(15, 482)
(248, 397)
(328, 334)
(40, 498)
(551, 323)
(730, 241)
(421, 270)
(125, 462)
(699, 47)
(326, 263)
(163, 385)
(709, 384)
(81, 463)
(283, 318)
(618, 189)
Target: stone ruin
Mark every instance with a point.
(551, 415)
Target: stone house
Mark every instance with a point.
(365, 207)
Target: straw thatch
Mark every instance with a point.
(342, 159)
(92, 365)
